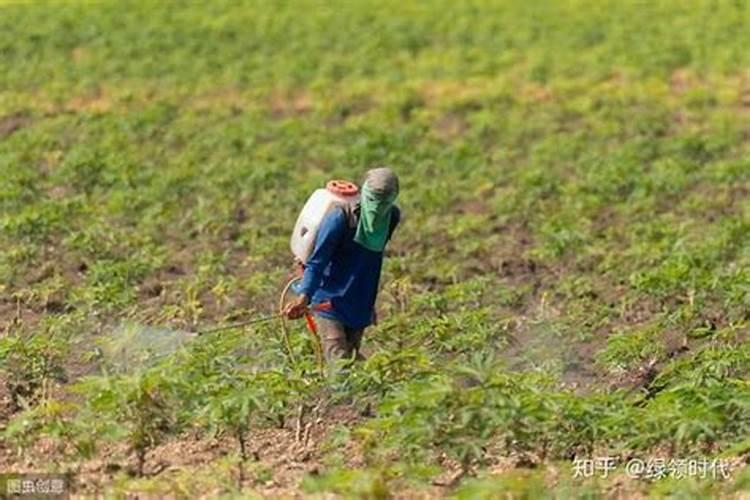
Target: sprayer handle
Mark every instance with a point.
(322, 306)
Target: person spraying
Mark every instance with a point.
(344, 264)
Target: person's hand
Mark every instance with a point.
(297, 308)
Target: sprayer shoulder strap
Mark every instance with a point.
(351, 215)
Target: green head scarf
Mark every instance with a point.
(379, 192)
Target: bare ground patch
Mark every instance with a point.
(12, 123)
(288, 454)
(450, 126)
(285, 104)
(98, 101)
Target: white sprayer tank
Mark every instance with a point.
(322, 201)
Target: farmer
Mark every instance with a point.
(344, 267)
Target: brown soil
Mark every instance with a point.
(284, 104)
(12, 123)
(450, 126)
(289, 454)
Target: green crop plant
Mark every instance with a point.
(368, 484)
(220, 386)
(523, 484)
(140, 408)
(54, 420)
(232, 404)
(626, 350)
(691, 417)
(385, 371)
(30, 364)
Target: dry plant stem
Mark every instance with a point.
(298, 425)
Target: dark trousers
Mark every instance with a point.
(339, 341)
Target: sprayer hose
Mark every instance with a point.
(317, 347)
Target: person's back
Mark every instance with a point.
(345, 265)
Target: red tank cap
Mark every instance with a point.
(342, 188)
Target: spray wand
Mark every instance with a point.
(324, 306)
(310, 322)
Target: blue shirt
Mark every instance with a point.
(344, 272)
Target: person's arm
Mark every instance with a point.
(326, 241)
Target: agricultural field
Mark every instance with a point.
(570, 282)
